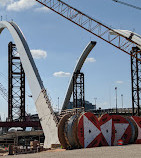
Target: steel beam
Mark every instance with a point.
(16, 85)
(21, 124)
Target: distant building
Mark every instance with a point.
(88, 106)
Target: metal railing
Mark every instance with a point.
(49, 106)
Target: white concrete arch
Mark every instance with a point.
(78, 67)
(26, 58)
(44, 109)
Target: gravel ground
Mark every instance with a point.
(130, 151)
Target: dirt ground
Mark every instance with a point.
(129, 151)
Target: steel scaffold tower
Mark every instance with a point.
(16, 85)
(78, 90)
(136, 81)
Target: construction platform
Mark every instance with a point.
(16, 138)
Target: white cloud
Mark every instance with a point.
(38, 54)
(90, 60)
(5, 2)
(42, 9)
(20, 5)
(61, 74)
(119, 82)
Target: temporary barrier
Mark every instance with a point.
(120, 142)
(107, 129)
(123, 129)
(89, 132)
(137, 120)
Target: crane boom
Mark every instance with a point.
(117, 39)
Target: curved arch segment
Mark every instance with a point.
(78, 67)
(45, 112)
(29, 66)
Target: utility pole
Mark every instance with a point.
(95, 101)
(116, 98)
(27, 109)
(122, 100)
(58, 104)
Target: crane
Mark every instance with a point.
(126, 41)
(121, 39)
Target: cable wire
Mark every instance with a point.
(127, 4)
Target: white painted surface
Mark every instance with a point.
(35, 84)
(136, 38)
(90, 131)
(120, 129)
(29, 66)
(106, 130)
(139, 130)
(78, 67)
(46, 118)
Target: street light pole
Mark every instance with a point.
(122, 100)
(95, 101)
(58, 104)
(116, 98)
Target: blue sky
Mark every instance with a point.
(60, 43)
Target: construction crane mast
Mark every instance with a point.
(120, 40)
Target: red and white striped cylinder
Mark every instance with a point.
(120, 142)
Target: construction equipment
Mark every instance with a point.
(78, 90)
(122, 39)
(85, 130)
(16, 85)
(119, 39)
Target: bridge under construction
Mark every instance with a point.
(73, 128)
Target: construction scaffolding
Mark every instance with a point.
(136, 81)
(78, 90)
(16, 85)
